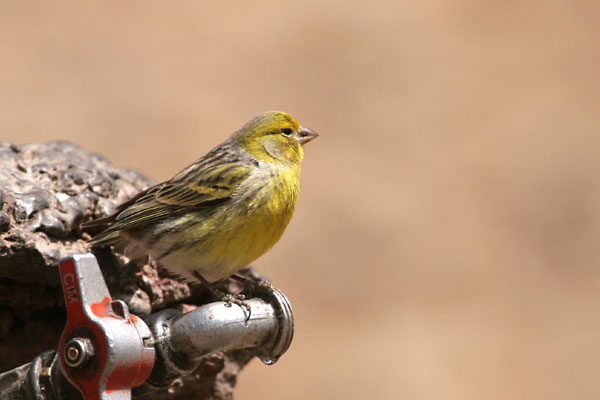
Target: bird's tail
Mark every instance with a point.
(99, 222)
(106, 238)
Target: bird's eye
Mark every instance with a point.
(286, 131)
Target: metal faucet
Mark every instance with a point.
(104, 350)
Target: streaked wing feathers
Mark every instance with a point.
(209, 188)
(201, 189)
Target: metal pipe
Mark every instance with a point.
(181, 340)
(40, 379)
(170, 346)
(221, 326)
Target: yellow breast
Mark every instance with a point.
(247, 229)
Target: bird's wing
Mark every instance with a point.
(205, 189)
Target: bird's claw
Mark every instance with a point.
(228, 298)
(265, 284)
(237, 299)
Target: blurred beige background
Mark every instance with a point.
(445, 244)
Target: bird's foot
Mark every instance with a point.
(237, 299)
(227, 298)
(265, 284)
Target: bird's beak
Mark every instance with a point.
(305, 135)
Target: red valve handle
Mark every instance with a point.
(102, 347)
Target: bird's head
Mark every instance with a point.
(274, 136)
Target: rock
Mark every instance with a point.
(46, 191)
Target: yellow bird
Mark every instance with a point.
(223, 211)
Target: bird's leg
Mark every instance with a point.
(228, 298)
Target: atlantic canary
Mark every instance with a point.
(221, 212)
